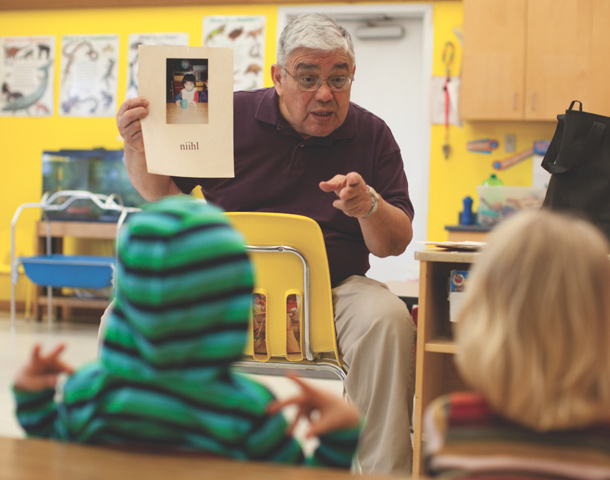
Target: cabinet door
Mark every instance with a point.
(559, 56)
(599, 99)
(493, 60)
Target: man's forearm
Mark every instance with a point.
(388, 231)
(152, 187)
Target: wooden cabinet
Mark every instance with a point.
(435, 371)
(492, 62)
(558, 59)
(528, 59)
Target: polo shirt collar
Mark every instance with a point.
(268, 111)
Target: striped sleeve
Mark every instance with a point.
(37, 412)
(336, 449)
(270, 442)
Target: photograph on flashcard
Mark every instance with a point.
(187, 90)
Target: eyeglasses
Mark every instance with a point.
(311, 83)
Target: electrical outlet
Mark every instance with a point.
(510, 143)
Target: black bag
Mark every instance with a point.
(578, 159)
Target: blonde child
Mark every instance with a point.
(533, 342)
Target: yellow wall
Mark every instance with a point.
(453, 179)
(24, 139)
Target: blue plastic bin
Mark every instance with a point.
(71, 271)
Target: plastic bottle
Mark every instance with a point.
(466, 216)
(493, 180)
(491, 201)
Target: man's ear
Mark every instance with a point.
(276, 76)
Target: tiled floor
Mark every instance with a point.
(81, 341)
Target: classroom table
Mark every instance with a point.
(34, 459)
(190, 114)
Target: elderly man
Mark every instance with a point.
(303, 148)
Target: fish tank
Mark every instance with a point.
(98, 171)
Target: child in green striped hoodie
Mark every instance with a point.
(164, 378)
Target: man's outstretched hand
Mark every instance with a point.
(354, 198)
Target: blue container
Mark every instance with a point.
(70, 271)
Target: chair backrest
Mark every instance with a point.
(292, 302)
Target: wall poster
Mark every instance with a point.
(89, 71)
(246, 36)
(137, 39)
(26, 73)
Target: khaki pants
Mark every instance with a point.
(376, 336)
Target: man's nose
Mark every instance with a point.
(324, 93)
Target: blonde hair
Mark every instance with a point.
(534, 332)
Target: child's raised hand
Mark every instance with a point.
(41, 371)
(333, 413)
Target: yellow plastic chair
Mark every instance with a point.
(293, 293)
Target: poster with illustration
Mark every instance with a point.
(26, 73)
(88, 75)
(134, 42)
(246, 36)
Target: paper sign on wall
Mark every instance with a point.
(245, 35)
(88, 85)
(134, 42)
(189, 130)
(26, 73)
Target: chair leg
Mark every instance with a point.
(28, 301)
(50, 306)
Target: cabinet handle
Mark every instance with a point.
(533, 101)
(515, 100)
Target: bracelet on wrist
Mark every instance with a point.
(374, 201)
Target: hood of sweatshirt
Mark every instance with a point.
(183, 294)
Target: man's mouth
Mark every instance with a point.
(322, 114)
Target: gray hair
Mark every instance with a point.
(314, 31)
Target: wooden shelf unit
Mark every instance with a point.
(58, 231)
(435, 370)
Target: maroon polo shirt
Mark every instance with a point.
(276, 170)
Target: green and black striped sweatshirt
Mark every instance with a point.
(164, 378)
